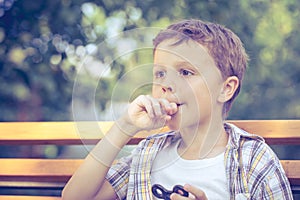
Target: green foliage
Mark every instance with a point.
(47, 47)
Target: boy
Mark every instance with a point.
(197, 73)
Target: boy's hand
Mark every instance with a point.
(146, 112)
(196, 192)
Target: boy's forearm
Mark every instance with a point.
(116, 138)
(87, 181)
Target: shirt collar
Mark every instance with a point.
(236, 133)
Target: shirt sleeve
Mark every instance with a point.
(118, 176)
(119, 173)
(276, 187)
(271, 181)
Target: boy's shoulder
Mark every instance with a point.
(252, 147)
(238, 135)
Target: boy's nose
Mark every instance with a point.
(168, 83)
(168, 88)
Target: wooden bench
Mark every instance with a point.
(52, 174)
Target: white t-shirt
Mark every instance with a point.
(170, 169)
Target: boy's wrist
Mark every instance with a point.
(126, 127)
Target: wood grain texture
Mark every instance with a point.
(68, 133)
(54, 173)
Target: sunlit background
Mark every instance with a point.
(43, 43)
(46, 46)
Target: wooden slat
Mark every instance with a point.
(16, 197)
(30, 184)
(43, 170)
(59, 133)
(52, 132)
(67, 133)
(273, 131)
(292, 170)
(60, 170)
(54, 173)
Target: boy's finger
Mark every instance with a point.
(156, 107)
(168, 107)
(165, 105)
(198, 193)
(175, 196)
(173, 108)
(145, 102)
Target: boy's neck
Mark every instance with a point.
(206, 141)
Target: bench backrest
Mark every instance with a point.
(54, 173)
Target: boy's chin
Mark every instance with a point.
(173, 125)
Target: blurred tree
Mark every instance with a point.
(271, 86)
(46, 46)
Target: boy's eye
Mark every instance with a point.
(185, 72)
(160, 74)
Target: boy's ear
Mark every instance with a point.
(230, 85)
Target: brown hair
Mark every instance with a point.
(223, 45)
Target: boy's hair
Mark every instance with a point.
(223, 45)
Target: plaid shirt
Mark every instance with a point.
(252, 169)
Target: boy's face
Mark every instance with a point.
(187, 75)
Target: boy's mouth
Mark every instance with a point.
(179, 104)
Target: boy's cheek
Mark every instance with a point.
(156, 91)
